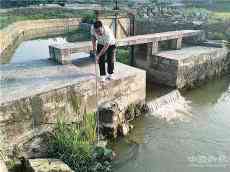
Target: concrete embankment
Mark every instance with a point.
(34, 95)
(29, 29)
(187, 67)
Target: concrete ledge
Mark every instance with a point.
(35, 94)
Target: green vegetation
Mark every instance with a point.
(24, 3)
(135, 110)
(43, 13)
(123, 55)
(217, 6)
(78, 35)
(74, 144)
(217, 24)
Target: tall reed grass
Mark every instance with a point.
(75, 145)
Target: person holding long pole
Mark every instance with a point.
(104, 43)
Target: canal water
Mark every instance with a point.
(192, 135)
(33, 50)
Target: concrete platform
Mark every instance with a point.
(36, 93)
(27, 79)
(186, 53)
(186, 67)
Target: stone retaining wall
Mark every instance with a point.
(30, 29)
(67, 91)
(192, 72)
(184, 68)
(35, 28)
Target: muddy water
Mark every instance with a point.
(193, 135)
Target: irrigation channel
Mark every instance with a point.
(190, 134)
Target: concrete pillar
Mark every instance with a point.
(51, 52)
(197, 39)
(61, 56)
(149, 53)
(154, 47)
(176, 43)
(64, 56)
(202, 36)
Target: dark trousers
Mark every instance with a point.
(110, 59)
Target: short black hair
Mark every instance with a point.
(97, 24)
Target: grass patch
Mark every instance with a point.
(74, 144)
(220, 16)
(217, 6)
(216, 24)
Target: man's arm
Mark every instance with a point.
(103, 50)
(94, 43)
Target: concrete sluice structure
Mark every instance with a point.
(184, 68)
(186, 60)
(34, 94)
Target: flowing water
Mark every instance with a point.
(190, 134)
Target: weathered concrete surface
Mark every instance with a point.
(186, 67)
(110, 116)
(33, 95)
(47, 165)
(115, 118)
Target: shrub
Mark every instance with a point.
(122, 55)
(89, 18)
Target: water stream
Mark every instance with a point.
(192, 134)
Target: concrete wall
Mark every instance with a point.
(192, 72)
(30, 29)
(183, 68)
(35, 28)
(22, 117)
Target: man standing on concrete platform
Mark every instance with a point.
(105, 43)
